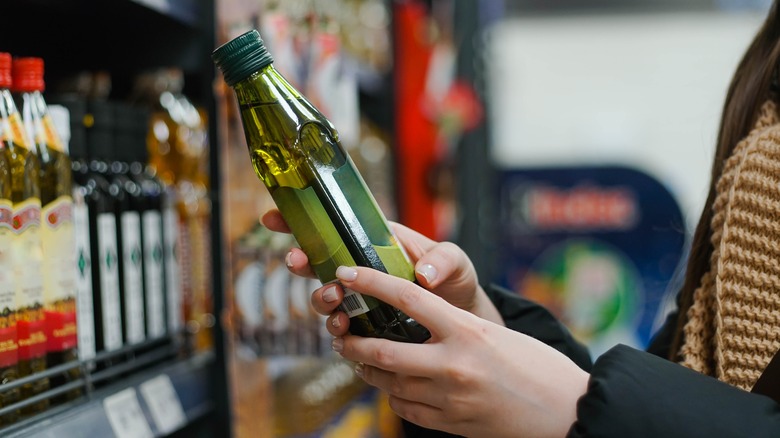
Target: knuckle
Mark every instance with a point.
(384, 356)
(395, 387)
(409, 295)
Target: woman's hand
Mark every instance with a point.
(472, 378)
(441, 267)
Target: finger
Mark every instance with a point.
(298, 263)
(400, 357)
(444, 261)
(326, 299)
(415, 244)
(412, 388)
(338, 324)
(428, 309)
(419, 413)
(273, 220)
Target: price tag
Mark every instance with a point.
(164, 404)
(125, 415)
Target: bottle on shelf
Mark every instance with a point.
(57, 238)
(104, 252)
(27, 252)
(8, 345)
(68, 114)
(296, 152)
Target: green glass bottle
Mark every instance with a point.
(296, 152)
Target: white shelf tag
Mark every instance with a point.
(125, 415)
(164, 404)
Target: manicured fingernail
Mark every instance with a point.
(335, 322)
(288, 260)
(346, 273)
(337, 345)
(429, 272)
(359, 369)
(329, 295)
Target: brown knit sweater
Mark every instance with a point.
(733, 327)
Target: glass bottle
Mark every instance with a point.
(57, 238)
(28, 256)
(296, 152)
(8, 346)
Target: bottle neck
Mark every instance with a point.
(266, 85)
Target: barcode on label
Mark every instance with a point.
(353, 303)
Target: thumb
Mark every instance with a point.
(446, 263)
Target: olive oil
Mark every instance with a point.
(9, 354)
(28, 258)
(296, 152)
(57, 234)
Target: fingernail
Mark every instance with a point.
(335, 322)
(337, 345)
(359, 369)
(346, 273)
(429, 272)
(288, 260)
(329, 295)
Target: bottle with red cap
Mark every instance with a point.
(8, 343)
(57, 237)
(28, 258)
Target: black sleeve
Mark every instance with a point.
(529, 318)
(632, 393)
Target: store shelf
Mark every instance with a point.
(93, 415)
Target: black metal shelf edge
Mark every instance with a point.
(88, 416)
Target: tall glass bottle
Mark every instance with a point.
(8, 345)
(57, 237)
(28, 258)
(102, 228)
(296, 152)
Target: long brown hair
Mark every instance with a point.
(750, 87)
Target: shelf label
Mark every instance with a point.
(164, 404)
(125, 415)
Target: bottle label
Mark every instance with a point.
(132, 262)
(84, 304)
(154, 274)
(8, 346)
(28, 263)
(14, 131)
(172, 271)
(353, 303)
(59, 277)
(49, 136)
(109, 281)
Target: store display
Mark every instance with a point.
(296, 153)
(27, 254)
(9, 358)
(57, 236)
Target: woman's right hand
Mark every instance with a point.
(440, 267)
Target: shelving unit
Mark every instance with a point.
(125, 38)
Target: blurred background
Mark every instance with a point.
(565, 146)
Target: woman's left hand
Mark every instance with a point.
(473, 377)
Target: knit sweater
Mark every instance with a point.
(733, 327)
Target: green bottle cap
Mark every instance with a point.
(241, 56)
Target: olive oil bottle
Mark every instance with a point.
(9, 354)
(55, 180)
(296, 152)
(28, 258)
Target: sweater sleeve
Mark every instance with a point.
(637, 394)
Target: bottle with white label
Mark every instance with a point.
(27, 253)
(55, 181)
(104, 251)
